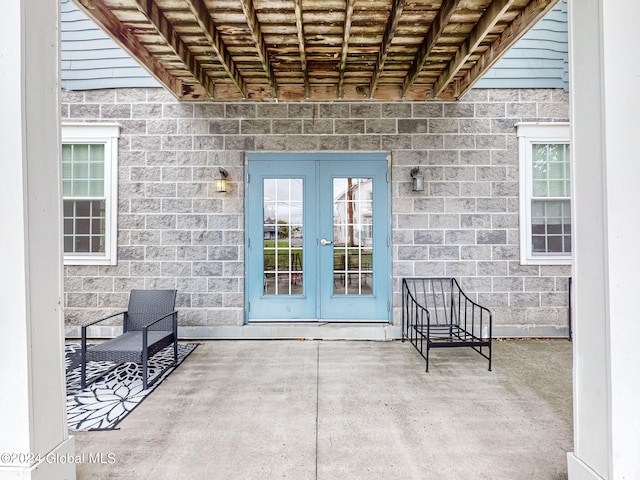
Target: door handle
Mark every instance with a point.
(325, 242)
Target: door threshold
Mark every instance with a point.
(312, 322)
(287, 330)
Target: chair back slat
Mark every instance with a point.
(148, 305)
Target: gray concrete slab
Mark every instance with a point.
(347, 409)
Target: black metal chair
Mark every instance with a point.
(436, 313)
(149, 325)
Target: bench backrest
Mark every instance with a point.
(148, 305)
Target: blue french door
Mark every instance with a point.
(318, 237)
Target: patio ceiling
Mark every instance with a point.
(316, 49)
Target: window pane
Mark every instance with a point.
(82, 226)
(540, 188)
(553, 209)
(556, 171)
(539, 245)
(554, 228)
(97, 208)
(97, 225)
(96, 188)
(96, 153)
(80, 188)
(556, 188)
(555, 244)
(67, 188)
(68, 209)
(80, 153)
(96, 171)
(537, 209)
(555, 152)
(81, 243)
(97, 243)
(538, 228)
(67, 154)
(80, 172)
(67, 170)
(82, 209)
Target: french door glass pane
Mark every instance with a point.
(282, 236)
(352, 236)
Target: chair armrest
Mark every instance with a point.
(175, 312)
(84, 332)
(145, 329)
(88, 324)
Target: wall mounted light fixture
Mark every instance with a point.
(221, 181)
(418, 179)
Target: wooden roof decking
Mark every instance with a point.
(316, 49)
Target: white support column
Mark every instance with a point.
(34, 443)
(605, 99)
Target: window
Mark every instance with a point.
(89, 193)
(545, 193)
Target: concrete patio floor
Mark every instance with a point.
(347, 410)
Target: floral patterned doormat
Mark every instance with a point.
(103, 404)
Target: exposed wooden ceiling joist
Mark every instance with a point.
(165, 29)
(486, 23)
(345, 46)
(435, 31)
(392, 26)
(203, 17)
(254, 25)
(317, 49)
(302, 46)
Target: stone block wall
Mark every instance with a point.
(176, 231)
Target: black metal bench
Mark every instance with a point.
(436, 313)
(149, 325)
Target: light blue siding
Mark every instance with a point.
(540, 59)
(92, 60)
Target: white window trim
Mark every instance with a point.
(529, 133)
(106, 134)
